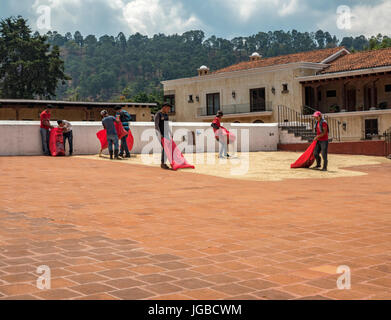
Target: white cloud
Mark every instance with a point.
(366, 19)
(158, 16)
(248, 9)
(371, 20)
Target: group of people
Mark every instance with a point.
(118, 151)
(322, 138)
(115, 150)
(45, 128)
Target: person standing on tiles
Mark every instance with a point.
(216, 125)
(45, 129)
(124, 117)
(112, 137)
(162, 130)
(322, 138)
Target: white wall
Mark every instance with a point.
(23, 137)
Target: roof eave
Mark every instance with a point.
(213, 76)
(344, 73)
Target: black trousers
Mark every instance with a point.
(322, 147)
(164, 156)
(69, 136)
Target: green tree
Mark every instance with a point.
(28, 67)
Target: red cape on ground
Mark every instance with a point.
(56, 142)
(102, 135)
(175, 156)
(306, 159)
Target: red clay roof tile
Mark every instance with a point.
(316, 56)
(360, 60)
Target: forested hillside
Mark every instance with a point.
(114, 68)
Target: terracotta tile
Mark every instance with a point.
(233, 289)
(258, 284)
(87, 278)
(205, 294)
(274, 294)
(163, 288)
(192, 283)
(124, 283)
(92, 288)
(155, 278)
(132, 294)
(146, 269)
(57, 294)
(302, 289)
(117, 273)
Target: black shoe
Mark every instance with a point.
(111, 155)
(127, 156)
(227, 155)
(121, 155)
(324, 166)
(164, 166)
(116, 156)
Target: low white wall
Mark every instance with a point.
(23, 137)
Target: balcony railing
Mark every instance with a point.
(237, 109)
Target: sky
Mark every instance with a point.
(223, 18)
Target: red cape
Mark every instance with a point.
(174, 155)
(121, 132)
(56, 142)
(223, 132)
(306, 159)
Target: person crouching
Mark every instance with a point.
(67, 134)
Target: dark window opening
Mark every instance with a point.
(371, 128)
(387, 88)
(257, 100)
(331, 93)
(258, 121)
(285, 88)
(310, 97)
(212, 103)
(191, 99)
(171, 100)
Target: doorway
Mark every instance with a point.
(257, 100)
(351, 99)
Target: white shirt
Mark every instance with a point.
(67, 126)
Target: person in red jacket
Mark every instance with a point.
(322, 138)
(45, 129)
(219, 136)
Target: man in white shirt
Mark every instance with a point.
(67, 133)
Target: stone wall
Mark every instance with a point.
(22, 138)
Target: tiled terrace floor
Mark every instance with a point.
(119, 231)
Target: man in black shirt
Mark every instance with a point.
(163, 130)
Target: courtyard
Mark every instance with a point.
(125, 230)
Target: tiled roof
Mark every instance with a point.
(315, 56)
(361, 60)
